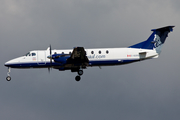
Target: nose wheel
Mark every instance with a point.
(78, 77)
(8, 78)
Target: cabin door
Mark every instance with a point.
(41, 57)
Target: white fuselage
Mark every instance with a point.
(97, 57)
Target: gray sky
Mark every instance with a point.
(140, 91)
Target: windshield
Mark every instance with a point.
(28, 54)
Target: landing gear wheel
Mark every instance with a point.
(80, 72)
(8, 78)
(77, 78)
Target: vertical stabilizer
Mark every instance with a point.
(156, 40)
(160, 36)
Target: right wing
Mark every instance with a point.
(78, 56)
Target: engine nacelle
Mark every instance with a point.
(60, 58)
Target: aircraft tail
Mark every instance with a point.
(156, 40)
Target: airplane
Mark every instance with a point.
(79, 58)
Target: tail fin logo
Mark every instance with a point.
(157, 41)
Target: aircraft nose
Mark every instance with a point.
(14, 62)
(8, 64)
(11, 63)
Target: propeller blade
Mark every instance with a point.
(49, 69)
(50, 49)
(50, 55)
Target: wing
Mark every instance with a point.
(78, 56)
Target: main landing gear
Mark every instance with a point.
(8, 78)
(78, 77)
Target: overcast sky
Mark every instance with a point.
(147, 90)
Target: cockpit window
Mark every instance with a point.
(28, 54)
(33, 54)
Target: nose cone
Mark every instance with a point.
(9, 63)
(12, 63)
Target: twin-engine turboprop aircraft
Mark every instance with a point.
(79, 58)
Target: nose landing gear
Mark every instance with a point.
(78, 77)
(8, 78)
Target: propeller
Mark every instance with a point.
(50, 57)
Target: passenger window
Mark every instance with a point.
(62, 52)
(99, 52)
(70, 53)
(92, 52)
(107, 51)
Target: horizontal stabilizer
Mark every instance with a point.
(142, 55)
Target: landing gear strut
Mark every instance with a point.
(78, 77)
(8, 78)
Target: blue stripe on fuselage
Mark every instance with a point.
(32, 65)
(111, 62)
(48, 64)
